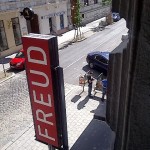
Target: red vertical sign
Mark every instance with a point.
(39, 77)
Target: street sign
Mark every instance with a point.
(42, 83)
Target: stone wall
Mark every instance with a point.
(128, 104)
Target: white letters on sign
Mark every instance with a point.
(41, 100)
(44, 118)
(45, 134)
(41, 97)
(32, 48)
(40, 74)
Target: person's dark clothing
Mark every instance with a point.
(89, 89)
(104, 88)
(90, 81)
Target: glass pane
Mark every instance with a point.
(61, 21)
(103, 61)
(3, 40)
(1, 24)
(16, 30)
(20, 55)
(98, 58)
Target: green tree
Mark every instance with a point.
(78, 19)
(106, 2)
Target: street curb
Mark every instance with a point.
(13, 74)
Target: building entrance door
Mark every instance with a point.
(33, 25)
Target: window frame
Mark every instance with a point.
(101, 59)
(86, 2)
(61, 21)
(15, 31)
(95, 1)
(83, 15)
(5, 37)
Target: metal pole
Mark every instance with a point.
(83, 88)
(50, 147)
(63, 109)
(3, 68)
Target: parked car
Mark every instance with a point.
(18, 62)
(115, 16)
(98, 60)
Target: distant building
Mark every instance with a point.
(90, 10)
(49, 17)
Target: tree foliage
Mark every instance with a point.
(77, 14)
(106, 2)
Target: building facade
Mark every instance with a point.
(90, 10)
(49, 17)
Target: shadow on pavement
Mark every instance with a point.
(96, 136)
(100, 111)
(64, 45)
(14, 70)
(4, 60)
(82, 103)
(96, 98)
(96, 72)
(86, 68)
(98, 29)
(75, 98)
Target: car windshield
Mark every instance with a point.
(20, 55)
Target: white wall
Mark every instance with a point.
(51, 11)
(23, 26)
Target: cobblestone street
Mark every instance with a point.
(14, 108)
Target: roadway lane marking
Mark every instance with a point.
(74, 62)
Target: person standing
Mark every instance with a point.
(104, 88)
(90, 82)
